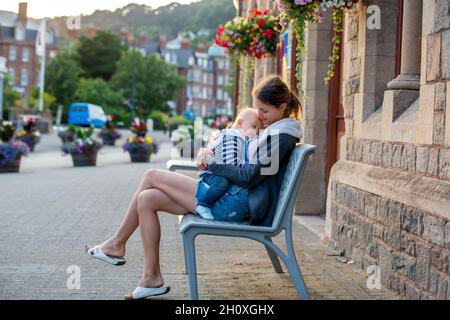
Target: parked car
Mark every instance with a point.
(86, 114)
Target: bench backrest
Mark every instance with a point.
(290, 186)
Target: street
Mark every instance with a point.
(50, 210)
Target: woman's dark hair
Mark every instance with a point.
(273, 91)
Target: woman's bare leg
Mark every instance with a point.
(148, 203)
(179, 187)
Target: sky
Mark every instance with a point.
(52, 8)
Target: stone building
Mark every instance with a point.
(381, 173)
(389, 194)
(319, 107)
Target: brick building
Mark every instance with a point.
(17, 43)
(207, 73)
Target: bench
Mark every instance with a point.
(192, 225)
(174, 165)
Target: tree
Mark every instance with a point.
(61, 78)
(97, 91)
(156, 82)
(98, 56)
(33, 99)
(9, 95)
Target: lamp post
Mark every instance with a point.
(133, 69)
(2, 72)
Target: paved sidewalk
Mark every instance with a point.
(50, 210)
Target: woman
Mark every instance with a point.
(252, 196)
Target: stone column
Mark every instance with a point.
(409, 78)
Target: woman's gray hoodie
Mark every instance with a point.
(264, 174)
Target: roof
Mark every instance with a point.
(151, 47)
(182, 54)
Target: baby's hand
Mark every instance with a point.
(201, 158)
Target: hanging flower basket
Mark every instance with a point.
(255, 35)
(299, 13)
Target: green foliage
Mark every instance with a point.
(160, 119)
(170, 19)
(62, 75)
(33, 99)
(175, 121)
(156, 82)
(97, 91)
(98, 56)
(81, 133)
(9, 95)
(6, 131)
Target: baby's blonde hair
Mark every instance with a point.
(245, 111)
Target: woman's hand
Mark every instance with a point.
(201, 158)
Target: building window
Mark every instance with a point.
(221, 64)
(12, 76)
(220, 80)
(205, 93)
(219, 94)
(12, 53)
(25, 55)
(205, 78)
(190, 75)
(210, 93)
(189, 91)
(24, 77)
(197, 76)
(20, 34)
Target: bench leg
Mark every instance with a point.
(274, 258)
(294, 270)
(189, 251)
(185, 259)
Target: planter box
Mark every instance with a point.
(12, 166)
(140, 157)
(84, 160)
(109, 142)
(31, 145)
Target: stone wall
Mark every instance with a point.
(388, 198)
(410, 245)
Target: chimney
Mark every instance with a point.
(22, 11)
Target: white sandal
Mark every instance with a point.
(97, 253)
(142, 293)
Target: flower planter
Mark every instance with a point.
(30, 144)
(140, 157)
(109, 141)
(12, 166)
(84, 159)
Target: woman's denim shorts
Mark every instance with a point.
(233, 206)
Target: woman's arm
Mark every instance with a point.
(249, 175)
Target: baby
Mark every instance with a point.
(230, 146)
